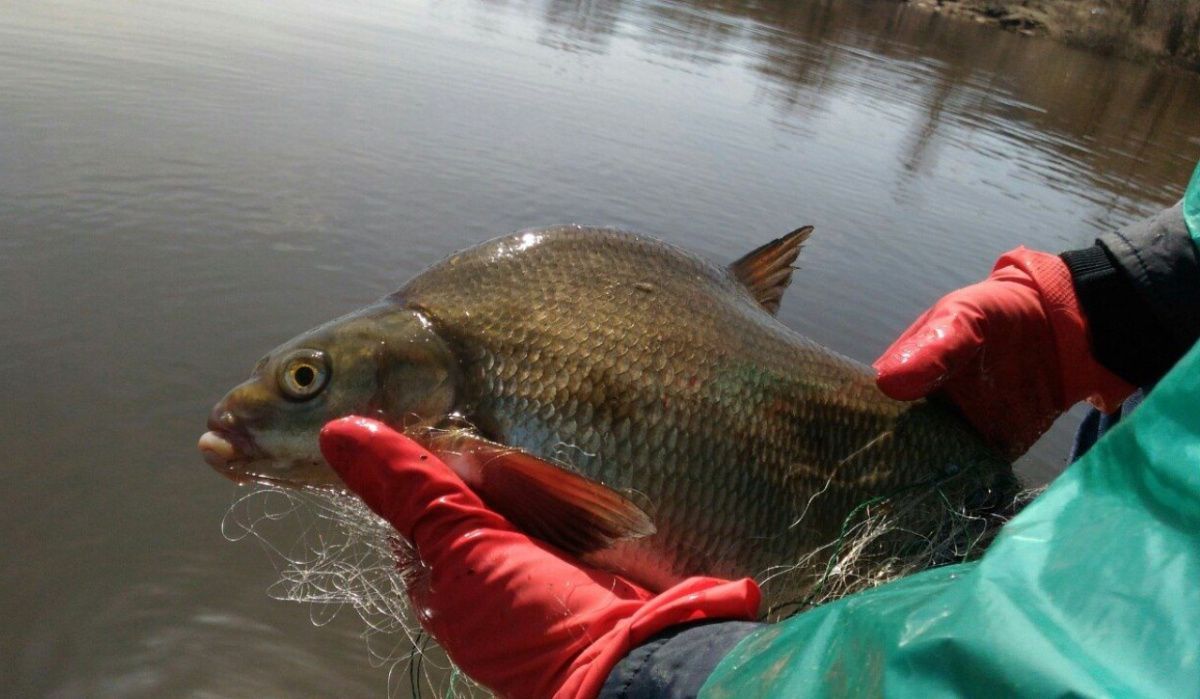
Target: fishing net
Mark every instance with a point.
(889, 537)
(333, 553)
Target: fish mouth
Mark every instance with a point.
(228, 449)
(233, 454)
(229, 453)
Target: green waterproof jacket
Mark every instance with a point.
(1093, 590)
(1191, 206)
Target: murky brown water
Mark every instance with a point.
(183, 185)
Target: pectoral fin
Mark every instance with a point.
(544, 500)
(767, 270)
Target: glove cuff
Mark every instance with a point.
(1082, 376)
(694, 599)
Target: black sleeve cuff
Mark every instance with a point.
(1160, 259)
(1140, 290)
(1125, 336)
(676, 663)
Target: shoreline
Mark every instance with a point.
(1142, 30)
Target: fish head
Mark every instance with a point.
(385, 361)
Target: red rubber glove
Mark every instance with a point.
(1012, 352)
(514, 613)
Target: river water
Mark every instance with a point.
(185, 184)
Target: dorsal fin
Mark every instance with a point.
(767, 270)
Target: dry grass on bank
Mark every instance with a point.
(1166, 29)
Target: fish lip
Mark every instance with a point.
(238, 451)
(233, 453)
(244, 448)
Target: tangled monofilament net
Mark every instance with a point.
(333, 553)
(891, 537)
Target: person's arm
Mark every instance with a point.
(676, 663)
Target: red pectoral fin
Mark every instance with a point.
(542, 499)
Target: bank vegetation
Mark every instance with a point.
(1168, 30)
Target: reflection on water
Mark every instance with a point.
(1119, 125)
(184, 185)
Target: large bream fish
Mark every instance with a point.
(623, 399)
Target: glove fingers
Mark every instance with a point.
(396, 477)
(350, 439)
(929, 352)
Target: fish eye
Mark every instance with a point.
(303, 374)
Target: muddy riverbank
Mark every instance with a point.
(1166, 31)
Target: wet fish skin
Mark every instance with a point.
(640, 366)
(651, 369)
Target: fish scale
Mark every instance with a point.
(666, 378)
(585, 360)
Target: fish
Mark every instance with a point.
(627, 401)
